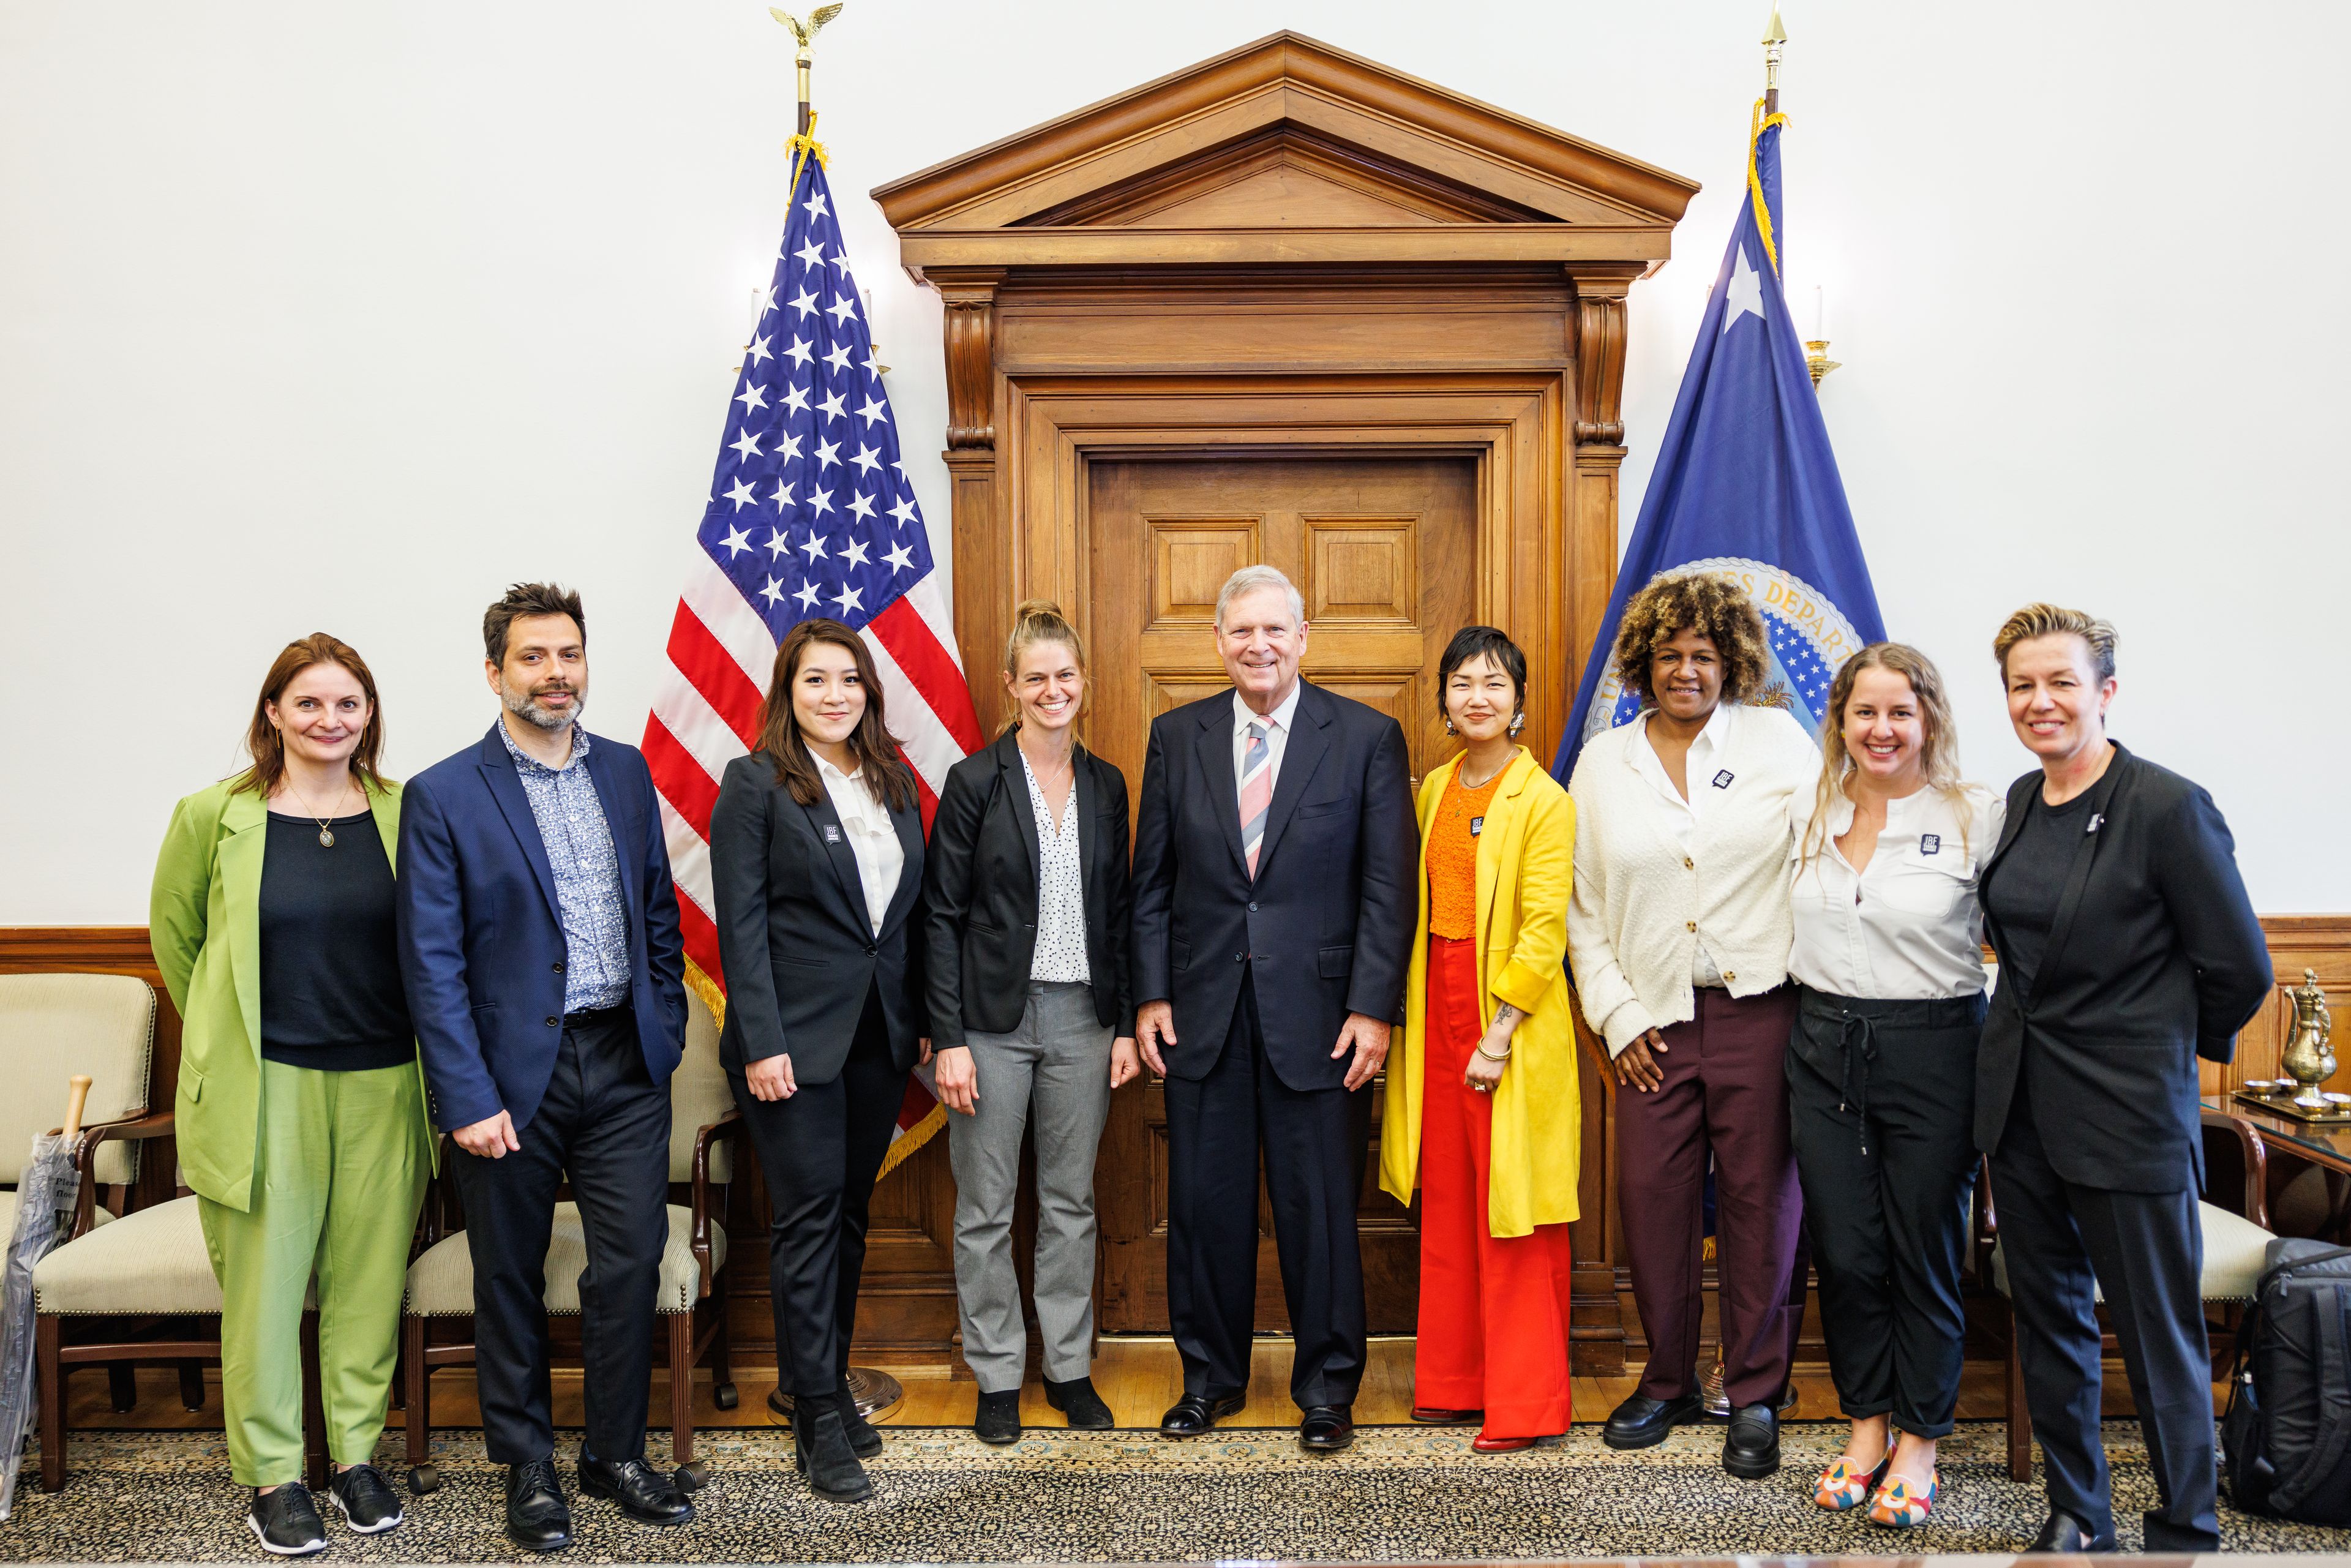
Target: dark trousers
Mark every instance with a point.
(1313, 1142)
(1882, 1109)
(2062, 1243)
(1725, 1093)
(820, 1152)
(604, 1125)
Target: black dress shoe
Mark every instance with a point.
(2065, 1534)
(1750, 1449)
(538, 1519)
(999, 1420)
(644, 1493)
(1197, 1412)
(365, 1500)
(286, 1522)
(820, 1450)
(865, 1440)
(1078, 1400)
(1642, 1422)
(1327, 1428)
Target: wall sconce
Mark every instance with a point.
(1816, 347)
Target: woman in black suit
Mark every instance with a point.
(2128, 949)
(816, 861)
(1028, 907)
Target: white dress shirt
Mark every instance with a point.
(1680, 818)
(1060, 954)
(1907, 925)
(872, 838)
(1277, 734)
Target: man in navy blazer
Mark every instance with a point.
(1275, 900)
(540, 948)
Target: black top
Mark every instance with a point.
(330, 996)
(2032, 882)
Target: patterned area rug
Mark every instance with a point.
(941, 1496)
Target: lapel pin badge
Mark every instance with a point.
(2096, 819)
(1930, 844)
(1477, 826)
(831, 834)
(1722, 779)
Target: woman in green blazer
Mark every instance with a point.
(301, 1109)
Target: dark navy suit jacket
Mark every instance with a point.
(481, 940)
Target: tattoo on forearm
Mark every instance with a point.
(1507, 1017)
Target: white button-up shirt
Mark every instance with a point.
(1907, 925)
(1679, 816)
(1060, 954)
(1277, 734)
(872, 838)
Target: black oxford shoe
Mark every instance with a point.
(1642, 1422)
(644, 1493)
(2067, 1535)
(1327, 1428)
(1197, 1412)
(1078, 1401)
(538, 1519)
(1750, 1449)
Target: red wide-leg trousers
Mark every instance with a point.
(1493, 1312)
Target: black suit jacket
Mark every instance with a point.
(2153, 959)
(980, 891)
(799, 951)
(1325, 929)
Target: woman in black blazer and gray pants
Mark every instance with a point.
(1027, 916)
(816, 863)
(2128, 949)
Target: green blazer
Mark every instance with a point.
(204, 921)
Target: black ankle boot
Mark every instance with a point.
(820, 1450)
(863, 1440)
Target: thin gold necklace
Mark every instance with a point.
(326, 833)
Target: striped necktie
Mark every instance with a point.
(1257, 793)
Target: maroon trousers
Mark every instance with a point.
(1726, 1094)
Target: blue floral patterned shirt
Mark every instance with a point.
(588, 893)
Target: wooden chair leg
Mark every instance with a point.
(418, 1397)
(192, 1385)
(721, 1352)
(122, 1385)
(48, 1341)
(681, 1386)
(2019, 1415)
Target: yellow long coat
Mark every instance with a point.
(1526, 867)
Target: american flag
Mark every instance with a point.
(809, 515)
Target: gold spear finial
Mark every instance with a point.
(1774, 37)
(805, 33)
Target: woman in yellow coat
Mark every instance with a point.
(1483, 1110)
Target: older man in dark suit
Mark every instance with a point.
(1274, 907)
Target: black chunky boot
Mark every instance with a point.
(863, 1440)
(820, 1450)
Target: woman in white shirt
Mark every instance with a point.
(1882, 1063)
(1677, 934)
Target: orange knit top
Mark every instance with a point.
(1453, 858)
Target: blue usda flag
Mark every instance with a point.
(1746, 486)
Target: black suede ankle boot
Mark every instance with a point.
(863, 1440)
(820, 1450)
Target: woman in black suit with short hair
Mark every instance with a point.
(816, 861)
(2128, 949)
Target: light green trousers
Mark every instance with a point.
(338, 1177)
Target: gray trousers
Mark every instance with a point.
(1055, 1068)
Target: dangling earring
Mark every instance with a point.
(1518, 722)
(1448, 725)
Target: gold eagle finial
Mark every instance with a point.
(805, 32)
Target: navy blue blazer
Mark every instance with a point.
(481, 941)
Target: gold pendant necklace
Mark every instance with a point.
(326, 833)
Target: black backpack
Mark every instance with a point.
(2285, 1441)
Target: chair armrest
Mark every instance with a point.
(2254, 1164)
(1590, 1044)
(139, 1125)
(724, 1130)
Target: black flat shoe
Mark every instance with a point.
(2065, 1534)
(644, 1493)
(1078, 1400)
(365, 1500)
(820, 1451)
(286, 1522)
(1750, 1449)
(999, 1420)
(1197, 1412)
(538, 1519)
(865, 1438)
(1642, 1422)
(1327, 1428)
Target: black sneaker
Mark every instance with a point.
(286, 1522)
(365, 1500)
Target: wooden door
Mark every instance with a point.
(1381, 548)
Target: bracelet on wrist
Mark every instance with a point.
(1493, 1056)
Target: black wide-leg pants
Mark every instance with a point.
(1881, 1099)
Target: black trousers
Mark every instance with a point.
(1881, 1099)
(820, 1151)
(1313, 1142)
(604, 1125)
(2146, 1249)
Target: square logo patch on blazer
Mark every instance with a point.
(1722, 779)
(831, 834)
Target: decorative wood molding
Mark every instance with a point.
(1599, 356)
(970, 297)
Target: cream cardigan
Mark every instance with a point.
(1639, 906)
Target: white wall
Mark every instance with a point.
(331, 315)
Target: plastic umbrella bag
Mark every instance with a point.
(45, 1197)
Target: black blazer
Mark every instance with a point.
(2153, 959)
(980, 890)
(1326, 929)
(797, 950)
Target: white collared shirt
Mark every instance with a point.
(872, 838)
(1060, 952)
(1277, 733)
(1907, 927)
(1680, 815)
